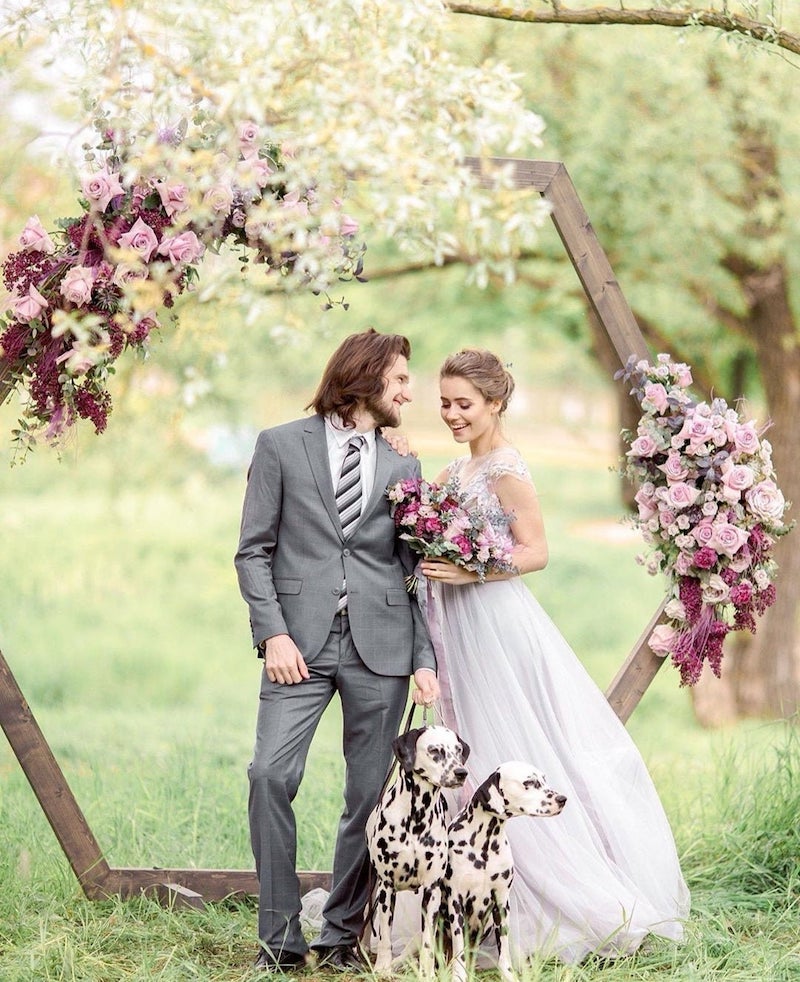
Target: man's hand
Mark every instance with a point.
(427, 687)
(283, 662)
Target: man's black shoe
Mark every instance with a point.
(288, 961)
(342, 958)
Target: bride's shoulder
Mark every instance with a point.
(507, 460)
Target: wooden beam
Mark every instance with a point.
(49, 784)
(636, 673)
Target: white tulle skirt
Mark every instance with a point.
(604, 873)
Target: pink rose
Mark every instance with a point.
(644, 499)
(745, 438)
(681, 495)
(76, 360)
(675, 467)
(727, 539)
(663, 639)
(735, 479)
(219, 199)
(100, 188)
(683, 564)
(683, 376)
(77, 284)
(141, 238)
(248, 139)
(656, 395)
(174, 197)
(666, 517)
(29, 307)
(643, 446)
(183, 248)
(34, 238)
(703, 533)
(766, 501)
(696, 429)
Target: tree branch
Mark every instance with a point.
(729, 23)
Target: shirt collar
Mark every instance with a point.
(342, 433)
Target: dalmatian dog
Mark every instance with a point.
(407, 834)
(480, 866)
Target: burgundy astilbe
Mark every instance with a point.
(94, 406)
(690, 592)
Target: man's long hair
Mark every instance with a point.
(355, 373)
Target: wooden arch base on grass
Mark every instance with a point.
(192, 886)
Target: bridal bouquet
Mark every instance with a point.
(435, 522)
(710, 510)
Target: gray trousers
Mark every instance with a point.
(288, 715)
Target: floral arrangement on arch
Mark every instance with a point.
(435, 522)
(709, 508)
(81, 294)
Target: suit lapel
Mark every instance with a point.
(316, 446)
(383, 471)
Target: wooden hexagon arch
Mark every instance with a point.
(191, 886)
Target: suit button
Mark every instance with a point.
(336, 592)
(345, 552)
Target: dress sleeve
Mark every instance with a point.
(505, 461)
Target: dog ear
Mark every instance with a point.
(465, 750)
(484, 793)
(405, 748)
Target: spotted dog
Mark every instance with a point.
(480, 866)
(407, 833)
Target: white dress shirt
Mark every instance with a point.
(338, 436)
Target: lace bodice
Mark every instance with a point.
(477, 476)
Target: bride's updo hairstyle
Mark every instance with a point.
(484, 370)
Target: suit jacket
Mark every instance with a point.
(292, 555)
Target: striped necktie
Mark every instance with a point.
(348, 498)
(348, 490)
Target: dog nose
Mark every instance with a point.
(561, 799)
(460, 773)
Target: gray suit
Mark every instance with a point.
(291, 561)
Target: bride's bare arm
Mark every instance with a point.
(520, 501)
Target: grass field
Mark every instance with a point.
(121, 619)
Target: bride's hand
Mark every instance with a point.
(443, 571)
(398, 442)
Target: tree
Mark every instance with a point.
(685, 157)
(289, 110)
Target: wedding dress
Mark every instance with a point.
(604, 873)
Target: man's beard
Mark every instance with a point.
(382, 414)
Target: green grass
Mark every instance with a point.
(121, 619)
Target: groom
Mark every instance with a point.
(322, 571)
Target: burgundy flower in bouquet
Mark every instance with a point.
(709, 508)
(435, 522)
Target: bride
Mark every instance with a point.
(605, 873)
